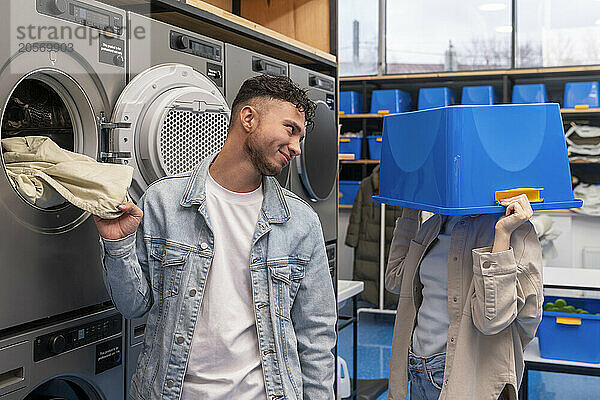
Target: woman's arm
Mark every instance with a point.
(405, 230)
(507, 278)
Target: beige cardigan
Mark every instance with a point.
(494, 304)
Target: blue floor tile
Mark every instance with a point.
(374, 346)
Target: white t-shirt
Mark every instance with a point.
(224, 360)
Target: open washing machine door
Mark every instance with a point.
(165, 122)
(317, 164)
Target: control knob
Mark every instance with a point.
(57, 344)
(182, 42)
(259, 65)
(118, 60)
(58, 6)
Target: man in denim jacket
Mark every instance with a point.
(231, 268)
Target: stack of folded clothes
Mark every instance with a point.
(590, 194)
(583, 142)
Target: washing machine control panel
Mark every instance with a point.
(197, 47)
(58, 342)
(82, 14)
(321, 83)
(267, 67)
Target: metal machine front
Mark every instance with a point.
(77, 359)
(153, 43)
(314, 173)
(56, 79)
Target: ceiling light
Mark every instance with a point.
(504, 29)
(492, 7)
(598, 22)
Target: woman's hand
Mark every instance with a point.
(125, 225)
(518, 211)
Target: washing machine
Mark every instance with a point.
(175, 93)
(78, 359)
(242, 64)
(172, 114)
(314, 173)
(62, 67)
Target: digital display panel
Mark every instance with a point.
(273, 69)
(196, 46)
(93, 17)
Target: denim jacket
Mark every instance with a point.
(162, 270)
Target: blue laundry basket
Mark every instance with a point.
(351, 102)
(392, 101)
(479, 95)
(375, 143)
(525, 94)
(454, 160)
(569, 336)
(582, 94)
(436, 97)
(351, 145)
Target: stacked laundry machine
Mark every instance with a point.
(59, 335)
(120, 88)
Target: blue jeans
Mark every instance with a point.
(426, 375)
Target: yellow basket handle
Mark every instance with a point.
(533, 194)
(568, 321)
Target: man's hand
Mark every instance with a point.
(125, 225)
(518, 211)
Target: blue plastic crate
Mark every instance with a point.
(574, 339)
(586, 94)
(348, 191)
(525, 94)
(351, 102)
(479, 95)
(393, 101)
(375, 143)
(452, 160)
(351, 145)
(436, 97)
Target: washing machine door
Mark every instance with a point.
(317, 164)
(167, 120)
(65, 388)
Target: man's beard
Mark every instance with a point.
(260, 162)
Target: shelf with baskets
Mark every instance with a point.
(555, 82)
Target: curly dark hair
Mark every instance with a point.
(279, 88)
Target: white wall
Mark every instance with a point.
(578, 232)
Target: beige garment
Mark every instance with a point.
(46, 175)
(494, 304)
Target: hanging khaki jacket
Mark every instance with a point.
(494, 304)
(364, 235)
(47, 175)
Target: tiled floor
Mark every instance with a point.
(374, 347)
